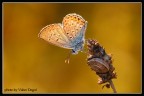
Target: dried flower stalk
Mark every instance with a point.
(101, 63)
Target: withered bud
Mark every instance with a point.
(100, 61)
(94, 49)
(107, 85)
(98, 65)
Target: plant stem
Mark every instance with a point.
(112, 86)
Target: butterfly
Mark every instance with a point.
(69, 35)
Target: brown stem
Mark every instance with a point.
(112, 86)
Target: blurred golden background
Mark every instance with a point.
(30, 62)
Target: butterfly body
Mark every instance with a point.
(69, 35)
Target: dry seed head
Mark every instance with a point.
(100, 61)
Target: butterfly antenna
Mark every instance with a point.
(68, 58)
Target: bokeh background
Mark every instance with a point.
(30, 62)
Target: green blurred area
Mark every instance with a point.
(30, 62)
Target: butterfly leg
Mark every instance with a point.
(68, 58)
(84, 51)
